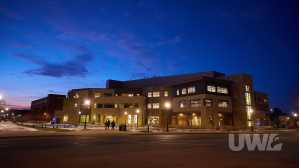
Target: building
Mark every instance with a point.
(262, 109)
(46, 109)
(199, 100)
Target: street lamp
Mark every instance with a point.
(167, 105)
(137, 117)
(6, 109)
(1, 97)
(295, 114)
(125, 113)
(86, 103)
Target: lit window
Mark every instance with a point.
(265, 100)
(75, 105)
(247, 88)
(76, 96)
(191, 89)
(195, 103)
(65, 118)
(149, 106)
(155, 105)
(222, 90)
(208, 102)
(177, 92)
(116, 105)
(149, 94)
(183, 91)
(130, 95)
(211, 88)
(223, 104)
(155, 94)
(181, 104)
(248, 98)
(137, 94)
(166, 93)
(97, 95)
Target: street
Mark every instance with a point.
(144, 151)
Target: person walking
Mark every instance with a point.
(108, 124)
(113, 124)
(105, 123)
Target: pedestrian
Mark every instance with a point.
(108, 124)
(113, 124)
(105, 123)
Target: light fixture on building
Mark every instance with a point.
(79, 112)
(167, 105)
(180, 115)
(6, 109)
(125, 113)
(194, 114)
(137, 111)
(2, 111)
(87, 102)
(295, 114)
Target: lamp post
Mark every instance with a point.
(167, 107)
(87, 104)
(137, 117)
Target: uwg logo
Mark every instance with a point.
(263, 142)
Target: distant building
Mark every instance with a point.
(199, 100)
(262, 109)
(45, 109)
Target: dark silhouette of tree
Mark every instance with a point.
(274, 116)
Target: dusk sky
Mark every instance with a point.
(55, 46)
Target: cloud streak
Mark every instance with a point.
(77, 66)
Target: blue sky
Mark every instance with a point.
(54, 46)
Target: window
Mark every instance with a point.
(166, 93)
(75, 105)
(97, 95)
(76, 96)
(191, 89)
(247, 88)
(248, 98)
(181, 104)
(223, 104)
(137, 94)
(183, 91)
(116, 106)
(211, 88)
(155, 94)
(195, 103)
(149, 94)
(130, 95)
(155, 105)
(108, 106)
(177, 92)
(222, 90)
(149, 106)
(208, 102)
(99, 105)
(107, 94)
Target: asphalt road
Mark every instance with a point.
(161, 151)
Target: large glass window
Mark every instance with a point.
(97, 95)
(223, 104)
(222, 90)
(166, 93)
(183, 91)
(182, 104)
(177, 92)
(155, 94)
(248, 98)
(191, 89)
(149, 106)
(149, 94)
(211, 88)
(196, 103)
(155, 105)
